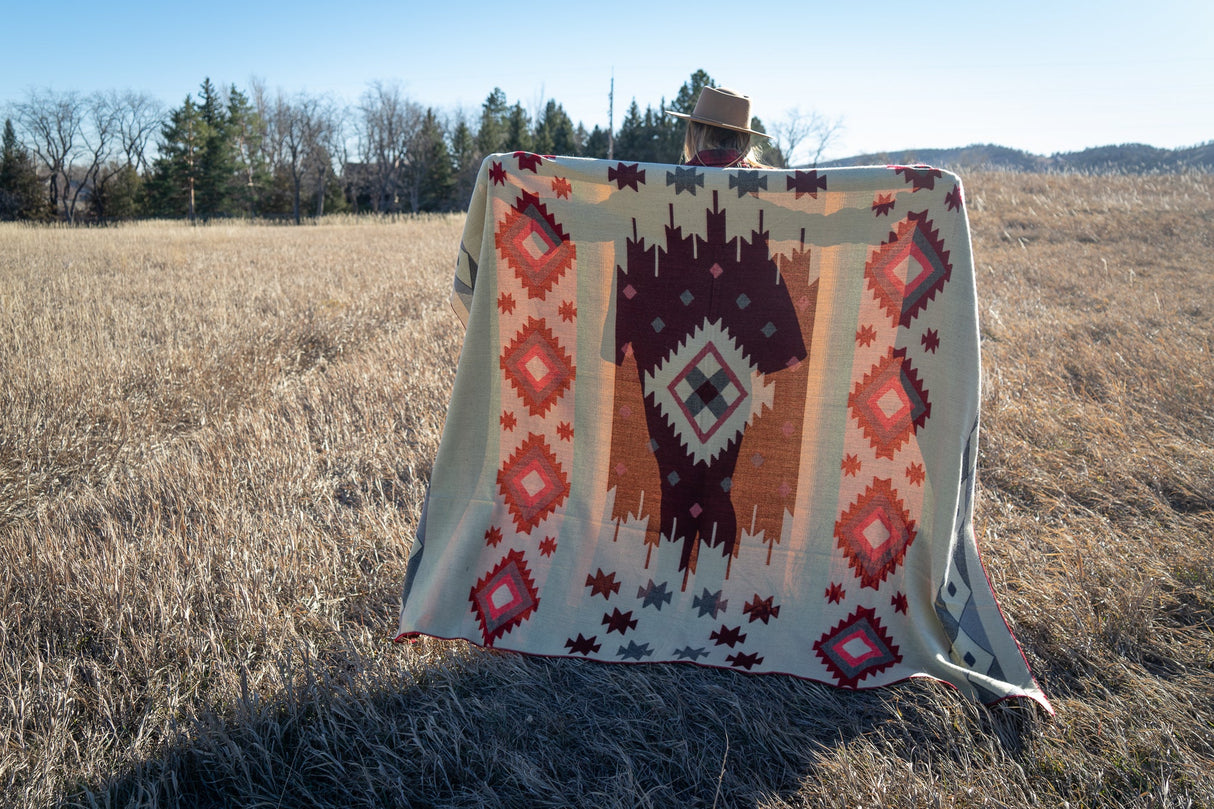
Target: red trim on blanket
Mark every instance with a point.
(413, 638)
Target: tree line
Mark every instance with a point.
(234, 153)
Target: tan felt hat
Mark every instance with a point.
(720, 106)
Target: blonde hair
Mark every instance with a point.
(702, 137)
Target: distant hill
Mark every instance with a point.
(1127, 158)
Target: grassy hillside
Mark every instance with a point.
(214, 443)
(1125, 158)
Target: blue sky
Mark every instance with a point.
(1040, 76)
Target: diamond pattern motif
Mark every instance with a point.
(534, 245)
(537, 366)
(703, 390)
(504, 597)
(874, 533)
(890, 403)
(707, 391)
(857, 647)
(532, 483)
(907, 271)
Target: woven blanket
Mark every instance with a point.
(721, 416)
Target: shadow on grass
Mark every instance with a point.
(488, 729)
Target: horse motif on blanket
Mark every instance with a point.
(704, 320)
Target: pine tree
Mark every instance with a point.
(466, 160)
(21, 193)
(491, 137)
(439, 176)
(554, 132)
(173, 188)
(595, 144)
(668, 135)
(655, 136)
(216, 161)
(634, 140)
(685, 99)
(518, 130)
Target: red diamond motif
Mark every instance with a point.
(537, 367)
(874, 533)
(504, 597)
(857, 647)
(534, 245)
(890, 403)
(907, 271)
(532, 483)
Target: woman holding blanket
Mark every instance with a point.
(718, 131)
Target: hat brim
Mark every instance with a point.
(702, 120)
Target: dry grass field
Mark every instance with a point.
(214, 444)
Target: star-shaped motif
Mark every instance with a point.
(710, 603)
(619, 621)
(505, 303)
(761, 609)
(930, 340)
(954, 199)
(915, 474)
(493, 536)
(528, 162)
(726, 636)
(548, 546)
(688, 653)
(508, 421)
(497, 173)
(748, 182)
(806, 182)
(602, 584)
(898, 602)
(565, 431)
(583, 645)
(919, 176)
(850, 465)
(561, 187)
(685, 179)
(835, 593)
(624, 174)
(883, 204)
(865, 335)
(634, 651)
(744, 661)
(654, 595)
(568, 311)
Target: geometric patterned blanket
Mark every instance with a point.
(727, 417)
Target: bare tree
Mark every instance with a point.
(139, 117)
(387, 124)
(290, 123)
(52, 123)
(306, 129)
(264, 106)
(811, 128)
(100, 136)
(82, 142)
(328, 143)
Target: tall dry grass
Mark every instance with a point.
(213, 447)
